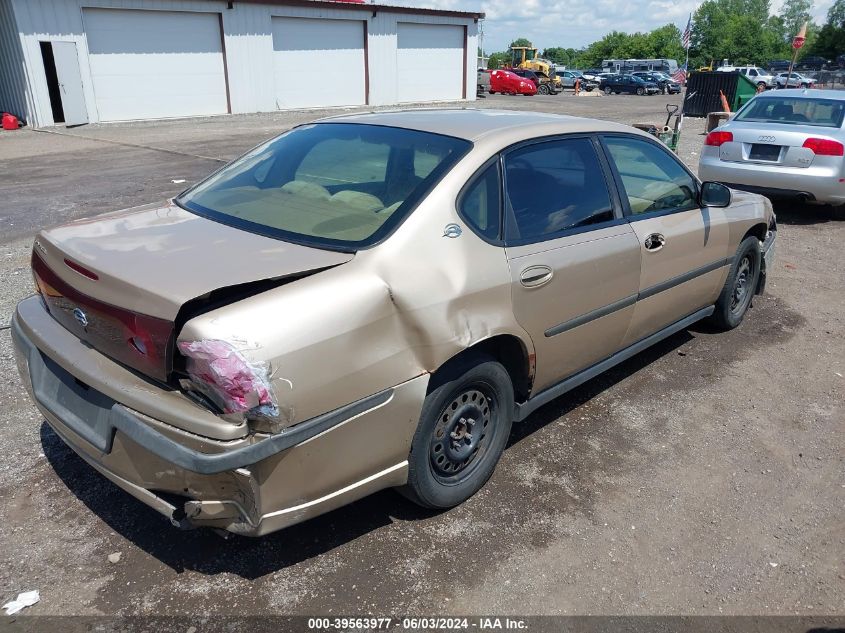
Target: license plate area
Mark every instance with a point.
(770, 153)
(84, 410)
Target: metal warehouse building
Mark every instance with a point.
(79, 61)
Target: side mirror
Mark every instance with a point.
(714, 194)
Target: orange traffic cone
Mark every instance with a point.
(724, 99)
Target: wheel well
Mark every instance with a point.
(504, 348)
(758, 230)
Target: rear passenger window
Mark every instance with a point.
(481, 204)
(553, 187)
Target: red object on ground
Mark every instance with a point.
(10, 121)
(507, 82)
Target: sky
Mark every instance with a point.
(575, 23)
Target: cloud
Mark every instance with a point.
(576, 23)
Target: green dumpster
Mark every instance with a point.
(702, 96)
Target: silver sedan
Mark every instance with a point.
(796, 80)
(783, 144)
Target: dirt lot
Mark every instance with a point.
(704, 476)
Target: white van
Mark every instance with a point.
(754, 73)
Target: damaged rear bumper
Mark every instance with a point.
(249, 485)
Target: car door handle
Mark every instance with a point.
(654, 242)
(536, 276)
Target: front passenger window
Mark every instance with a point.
(653, 179)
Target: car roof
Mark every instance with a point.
(473, 124)
(807, 93)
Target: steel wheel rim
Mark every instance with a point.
(742, 290)
(462, 434)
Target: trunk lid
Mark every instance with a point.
(119, 281)
(772, 144)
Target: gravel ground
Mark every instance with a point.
(704, 476)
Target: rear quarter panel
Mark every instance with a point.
(396, 311)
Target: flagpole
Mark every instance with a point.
(687, 37)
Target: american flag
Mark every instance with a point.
(680, 75)
(686, 36)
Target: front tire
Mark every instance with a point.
(464, 426)
(608, 90)
(740, 286)
(543, 89)
(640, 92)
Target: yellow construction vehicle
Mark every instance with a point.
(526, 57)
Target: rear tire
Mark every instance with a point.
(608, 90)
(543, 89)
(740, 286)
(464, 427)
(640, 92)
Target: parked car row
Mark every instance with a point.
(811, 62)
(521, 81)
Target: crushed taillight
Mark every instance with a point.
(222, 374)
(824, 147)
(717, 138)
(137, 340)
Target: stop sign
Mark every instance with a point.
(798, 42)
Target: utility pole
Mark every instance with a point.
(481, 41)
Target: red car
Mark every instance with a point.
(507, 82)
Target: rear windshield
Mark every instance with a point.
(794, 110)
(334, 185)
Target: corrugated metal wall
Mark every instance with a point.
(13, 87)
(248, 39)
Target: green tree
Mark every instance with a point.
(738, 30)
(794, 13)
(521, 41)
(498, 60)
(560, 55)
(666, 42)
(662, 42)
(830, 40)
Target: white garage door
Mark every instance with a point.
(155, 64)
(430, 62)
(318, 62)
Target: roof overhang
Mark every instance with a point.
(355, 6)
